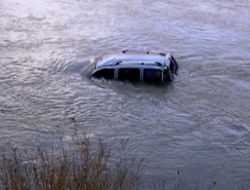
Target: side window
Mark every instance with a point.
(171, 66)
(105, 73)
(129, 74)
(152, 75)
(166, 75)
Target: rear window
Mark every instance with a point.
(152, 75)
(129, 74)
(105, 73)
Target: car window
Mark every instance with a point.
(173, 64)
(152, 75)
(105, 73)
(129, 74)
(166, 75)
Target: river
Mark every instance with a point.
(199, 124)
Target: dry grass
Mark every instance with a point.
(78, 168)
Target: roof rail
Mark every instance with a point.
(124, 51)
(118, 62)
(158, 63)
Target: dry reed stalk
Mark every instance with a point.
(79, 168)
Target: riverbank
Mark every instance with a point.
(84, 166)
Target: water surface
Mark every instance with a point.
(199, 124)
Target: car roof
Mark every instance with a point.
(133, 57)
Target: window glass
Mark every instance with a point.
(129, 74)
(152, 75)
(166, 76)
(171, 65)
(105, 73)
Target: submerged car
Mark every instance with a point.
(136, 66)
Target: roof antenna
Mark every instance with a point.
(124, 51)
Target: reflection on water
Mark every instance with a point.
(198, 124)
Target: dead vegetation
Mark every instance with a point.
(81, 167)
